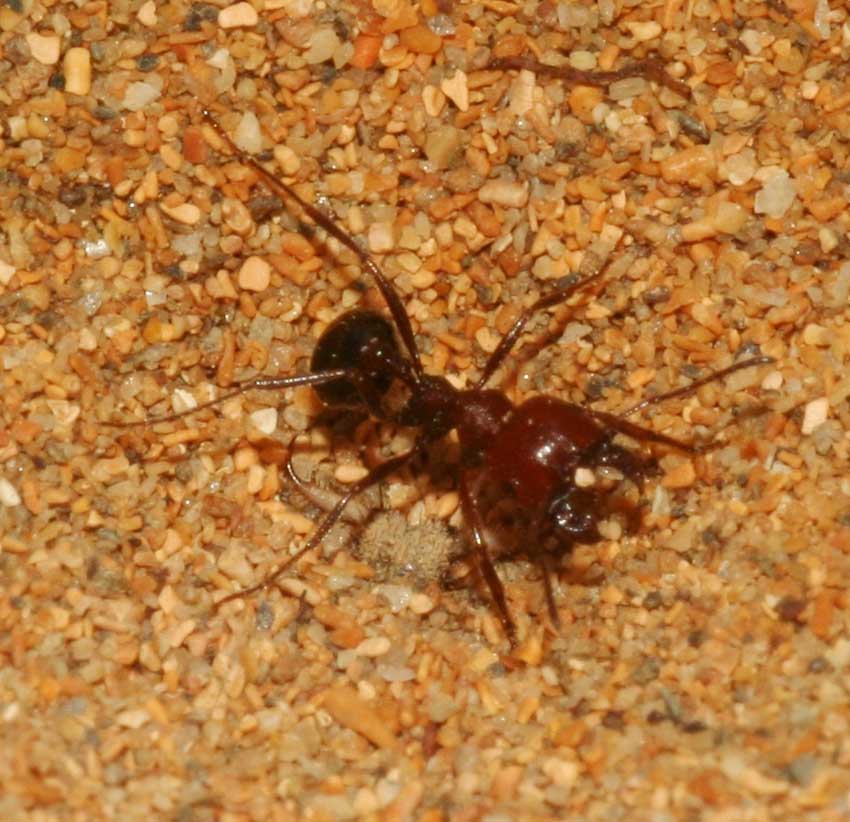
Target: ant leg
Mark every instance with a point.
(642, 434)
(303, 487)
(482, 559)
(310, 494)
(275, 383)
(332, 227)
(650, 68)
(646, 435)
(546, 570)
(507, 342)
(377, 474)
(692, 387)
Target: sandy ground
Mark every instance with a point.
(702, 666)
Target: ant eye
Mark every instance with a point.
(574, 515)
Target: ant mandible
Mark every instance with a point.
(533, 449)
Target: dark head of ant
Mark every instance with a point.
(362, 343)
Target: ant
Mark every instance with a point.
(544, 451)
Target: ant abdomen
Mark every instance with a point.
(363, 342)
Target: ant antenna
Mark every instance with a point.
(557, 295)
(619, 423)
(651, 68)
(275, 383)
(329, 224)
(687, 390)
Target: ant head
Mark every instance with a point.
(363, 342)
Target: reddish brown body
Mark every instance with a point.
(545, 440)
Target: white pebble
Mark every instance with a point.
(773, 381)
(612, 120)
(255, 274)
(381, 238)
(395, 673)
(247, 135)
(232, 563)
(348, 473)
(752, 40)
(584, 478)
(220, 60)
(9, 497)
(77, 70)
(521, 94)
(741, 167)
(828, 239)
(237, 16)
(456, 89)
(87, 341)
(821, 18)
(504, 192)
(287, 159)
(644, 30)
(45, 48)
(18, 127)
(264, 420)
(626, 88)
(186, 213)
(776, 195)
(147, 14)
(809, 89)
(373, 646)
(64, 412)
(583, 60)
(133, 718)
(96, 249)
(421, 604)
(323, 44)
(139, 96)
(575, 331)
(815, 414)
(398, 596)
(182, 400)
(6, 272)
(487, 339)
